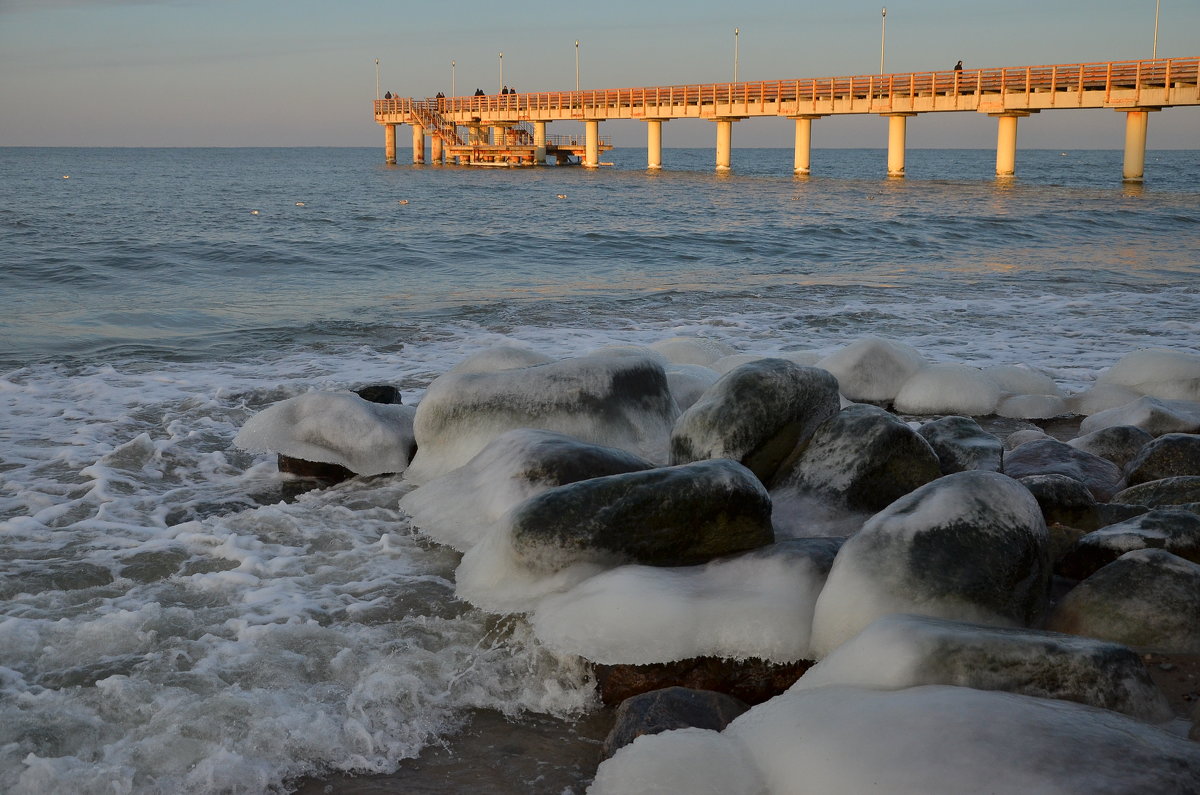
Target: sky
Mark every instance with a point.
(302, 72)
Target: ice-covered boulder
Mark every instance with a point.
(458, 508)
(1160, 373)
(1064, 500)
(948, 389)
(1099, 398)
(932, 739)
(872, 369)
(961, 444)
(1170, 455)
(670, 708)
(1022, 380)
(1024, 436)
(692, 350)
(1032, 407)
(756, 414)
(688, 382)
(1183, 491)
(338, 428)
(1151, 414)
(900, 650)
(1118, 443)
(1052, 457)
(500, 357)
(620, 401)
(755, 605)
(971, 546)
(1172, 529)
(671, 516)
(1147, 598)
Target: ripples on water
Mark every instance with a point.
(170, 623)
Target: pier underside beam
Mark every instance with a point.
(1135, 143)
(1006, 141)
(591, 143)
(418, 144)
(389, 144)
(803, 160)
(654, 143)
(897, 123)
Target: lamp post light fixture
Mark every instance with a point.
(883, 40)
(501, 86)
(577, 64)
(453, 80)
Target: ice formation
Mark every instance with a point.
(692, 350)
(948, 389)
(872, 369)
(334, 428)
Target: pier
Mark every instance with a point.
(510, 129)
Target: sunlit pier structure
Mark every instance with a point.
(510, 129)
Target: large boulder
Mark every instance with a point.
(1172, 529)
(689, 382)
(458, 508)
(337, 428)
(930, 739)
(1118, 443)
(961, 445)
(872, 369)
(672, 516)
(1153, 415)
(1148, 599)
(1170, 455)
(667, 709)
(863, 458)
(692, 350)
(500, 357)
(1158, 372)
(899, 651)
(1064, 500)
(756, 414)
(970, 546)
(620, 401)
(1052, 457)
(948, 389)
(1183, 491)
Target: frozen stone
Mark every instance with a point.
(1151, 414)
(458, 508)
(1147, 598)
(1172, 529)
(1100, 398)
(692, 761)
(948, 389)
(1064, 500)
(688, 382)
(1018, 438)
(1118, 443)
(334, 428)
(498, 358)
(1022, 380)
(672, 516)
(756, 414)
(1166, 374)
(960, 444)
(692, 350)
(1170, 455)
(872, 369)
(862, 458)
(1052, 457)
(970, 546)
(620, 401)
(755, 605)
(899, 651)
(1182, 491)
(1032, 407)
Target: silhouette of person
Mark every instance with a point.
(388, 95)
(958, 66)
(504, 90)
(479, 92)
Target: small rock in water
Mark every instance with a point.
(670, 708)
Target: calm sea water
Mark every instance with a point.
(168, 622)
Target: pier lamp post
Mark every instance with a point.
(500, 87)
(577, 64)
(883, 40)
(735, 54)
(1154, 53)
(453, 81)
(376, 78)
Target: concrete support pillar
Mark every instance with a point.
(436, 153)
(896, 132)
(724, 143)
(539, 142)
(803, 161)
(418, 146)
(1006, 144)
(475, 134)
(389, 144)
(591, 143)
(654, 143)
(497, 138)
(1135, 143)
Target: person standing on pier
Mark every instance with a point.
(958, 66)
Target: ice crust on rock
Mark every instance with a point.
(1022, 380)
(1118, 443)
(689, 381)
(692, 350)
(500, 357)
(1160, 373)
(758, 604)
(692, 761)
(948, 389)
(899, 651)
(334, 428)
(460, 507)
(620, 401)
(1151, 414)
(873, 369)
(971, 546)
(1031, 407)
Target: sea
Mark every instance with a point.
(176, 616)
